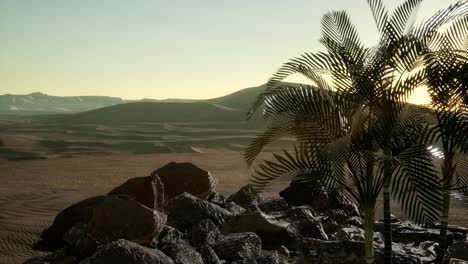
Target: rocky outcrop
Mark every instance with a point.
(238, 246)
(126, 252)
(186, 210)
(178, 178)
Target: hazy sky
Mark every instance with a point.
(161, 49)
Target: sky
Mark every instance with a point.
(159, 49)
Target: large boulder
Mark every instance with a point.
(186, 210)
(126, 252)
(52, 237)
(122, 217)
(238, 246)
(142, 189)
(178, 178)
(246, 196)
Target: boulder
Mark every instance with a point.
(209, 255)
(142, 189)
(350, 233)
(178, 178)
(182, 253)
(217, 199)
(273, 204)
(52, 237)
(204, 233)
(169, 235)
(307, 229)
(122, 217)
(186, 210)
(271, 230)
(234, 208)
(332, 203)
(265, 257)
(126, 252)
(276, 229)
(79, 242)
(245, 196)
(238, 246)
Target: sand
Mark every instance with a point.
(33, 192)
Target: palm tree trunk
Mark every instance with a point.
(443, 229)
(369, 235)
(448, 170)
(387, 234)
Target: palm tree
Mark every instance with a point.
(446, 69)
(375, 81)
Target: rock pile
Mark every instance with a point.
(174, 216)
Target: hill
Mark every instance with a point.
(38, 103)
(156, 112)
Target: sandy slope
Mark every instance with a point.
(33, 192)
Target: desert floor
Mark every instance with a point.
(33, 192)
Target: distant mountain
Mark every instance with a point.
(42, 104)
(156, 112)
(38, 103)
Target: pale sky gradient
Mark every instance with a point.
(161, 49)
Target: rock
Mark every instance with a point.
(245, 196)
(282, 250)
(355, 221)
(126, 252)
(52, 237)
(169, 235)
(328, 252)
(350, 233)
(273, 204)
(238, 246)
(458, 250)
(295, 214)
(205, 233)
(209, 255)
(178, 178)
(79, 242)
(401, 254)
(265, 257)
(58, 257)
(122, 217)
(307, 229)
(234, 208)
(268, 257)
(142, 189)
(186, 210)
(271, 230)
(330, 226)
(217, 199)
(182, 253)
(331, 203)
